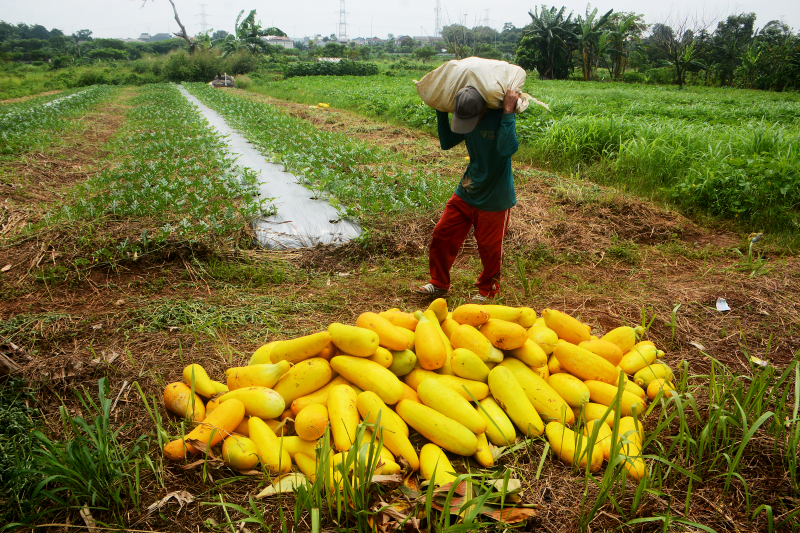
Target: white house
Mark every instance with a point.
(280, 41)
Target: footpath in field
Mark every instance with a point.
(301, 219)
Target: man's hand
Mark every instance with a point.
(510, 101)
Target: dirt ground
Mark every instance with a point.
(602, 256)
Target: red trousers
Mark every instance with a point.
(450, 233)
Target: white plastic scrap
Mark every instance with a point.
(722, 305)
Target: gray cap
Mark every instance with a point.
(468, 107)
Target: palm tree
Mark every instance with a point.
(625, 30)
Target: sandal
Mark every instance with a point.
(429, 289)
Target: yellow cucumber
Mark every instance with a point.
(565, 443)
(474, 389)
(394, 436)
(402, 362)
(434, 465)
(430, 348)
(503, 312)
(471, 314)
(605, 394)
(645, 376)
(410, 394)
(467, 365)
(660, 385)
(504, 335)
(304, 378)
(512, 398)
(607, 350)
(583, 364)
(499, 428)
(566, 327)
(400, 319)
(446, 368)
(389, 336)
(542, 396)
(211, 431)
(603, 436)
(352, 340)
(448, 326)
(439, 308)
(261, 375)
(438, 428)
(343, 415)
(639, 357)
(633, 388)
(527, 318)
(543, 372)
(382, 356)
(295, 444)
(310, 424)
(631, 438)
(573, 390)
(529, 353)
(451, 404)
(466, 336)
(369, 375)
(595, 411)
(553, 366)
(272, 455)
(239, 452)
(624, 337)
(483, 456)
(261, 356)
(300, 349)
(202, 383)
(258, 401)
(307, 465)
(178, 399)
(545, 337)
(319, 396)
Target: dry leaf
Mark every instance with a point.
(180, 496)
(88, 519)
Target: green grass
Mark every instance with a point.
(730, 153)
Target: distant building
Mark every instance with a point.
(374, 40)
(359, 41)
(145, 38)
(425, 39)
(399, 40)
(160, 37)
(285, 42)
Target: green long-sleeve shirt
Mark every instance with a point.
(487, 183)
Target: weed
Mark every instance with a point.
(627, 251)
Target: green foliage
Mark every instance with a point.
(172, 174)
(359, 179)
(90, 467)
(345, 67)
(16, 447)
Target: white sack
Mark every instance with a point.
(492, 78)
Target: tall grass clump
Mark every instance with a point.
(90, 468)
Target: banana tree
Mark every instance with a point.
(248, 36)
(590, 33)
(625, 30)
(548, 42)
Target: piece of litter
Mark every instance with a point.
(722, 305)
(698, 346)
(759, 362)
(6, 268)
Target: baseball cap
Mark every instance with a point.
(468, 106)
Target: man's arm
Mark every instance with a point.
(447, 139)
(507, 143)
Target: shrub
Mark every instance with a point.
(634, 77)
(345, 67)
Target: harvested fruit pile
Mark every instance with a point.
(480, 374)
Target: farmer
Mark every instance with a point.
(485, 195)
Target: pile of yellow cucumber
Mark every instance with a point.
(463, 379)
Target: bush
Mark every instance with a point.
(634, 77)
(345, 67)
(202, 66)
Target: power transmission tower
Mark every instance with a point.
(342, 22)
(203, 22)
(437, 32)
(486, 17)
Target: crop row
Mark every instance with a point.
(173, 172)
(730, 153)
(356, 177)
(23, 125)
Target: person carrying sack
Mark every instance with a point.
(484, 196)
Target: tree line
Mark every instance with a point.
(680, 50)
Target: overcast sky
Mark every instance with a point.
(129, 18)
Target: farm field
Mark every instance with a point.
(124, 223)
